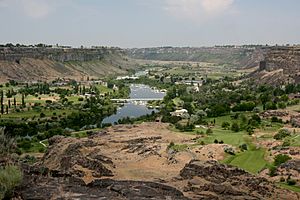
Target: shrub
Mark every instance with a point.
(209, 131)
(7, 145)
(42, 115)
(235, 127)
(48, 101)
(216, 141)
(250, 129)
(171, 145)
(291, 182)
(282, 134)
(272, 171)
(244, 147)
(10, 177)
(229, 150)
(225, 125)
(280, 159)
(80, 98)
(276, 119)
(286, 143)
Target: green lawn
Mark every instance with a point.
(252, 160)
(103, 89)
(228, 137)
(289, 187)
(32, 113)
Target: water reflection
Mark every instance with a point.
(133, 109)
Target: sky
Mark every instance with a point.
(150, 23)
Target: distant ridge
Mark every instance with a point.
(46, 63)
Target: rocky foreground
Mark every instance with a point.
(132, 162)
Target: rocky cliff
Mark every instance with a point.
(134, 162)
(280, 65)
(44, 63)
(234, 56)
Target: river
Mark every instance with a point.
(134, 110)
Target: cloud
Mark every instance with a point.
(4, 3)
(198, 9)
(36, 8)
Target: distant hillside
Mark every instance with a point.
(238, 57)
(281, 65)
(41, 63)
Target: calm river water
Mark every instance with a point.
(134, 110)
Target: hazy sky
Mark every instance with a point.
(147, 23)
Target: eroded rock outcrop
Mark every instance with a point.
(212, 180)
(45, 64)
(133, 162)
(281, 65)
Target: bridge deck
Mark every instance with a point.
(139, 99)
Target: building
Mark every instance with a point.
(179, 113)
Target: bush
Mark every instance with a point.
(244, 147)
(80, 98)
(216, 141)
(209, 131)
(171, 145)
(235, 127)
(291, 182)
(272, 171)
(276, 119)
(48, 101)
(282, 134)
(225, 125)
(229, 150)
(10, 177)
(42, 115)
(280, 159)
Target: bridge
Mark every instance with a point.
(137, 99)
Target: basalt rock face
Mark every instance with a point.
(280, 65)
(132, 162)
(212, 180)
(234, 56)
(15, 54)
(44, 63)
(38, 186)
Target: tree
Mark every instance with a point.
(280, 159)
(194, 119)
(23, 100)
(2, 99)
(209, 131)
(15, 102)
(235, 127)
(282, 133)
(225, 125)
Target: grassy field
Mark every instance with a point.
(32, 113)
(228, 137)
(289, 187)
(252, 160)
(103, 89)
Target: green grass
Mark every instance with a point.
(36, 147)
(227, 136)
(295, 140)
(252, 160)
(294, 188)
(104, 89)
(32, 113)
